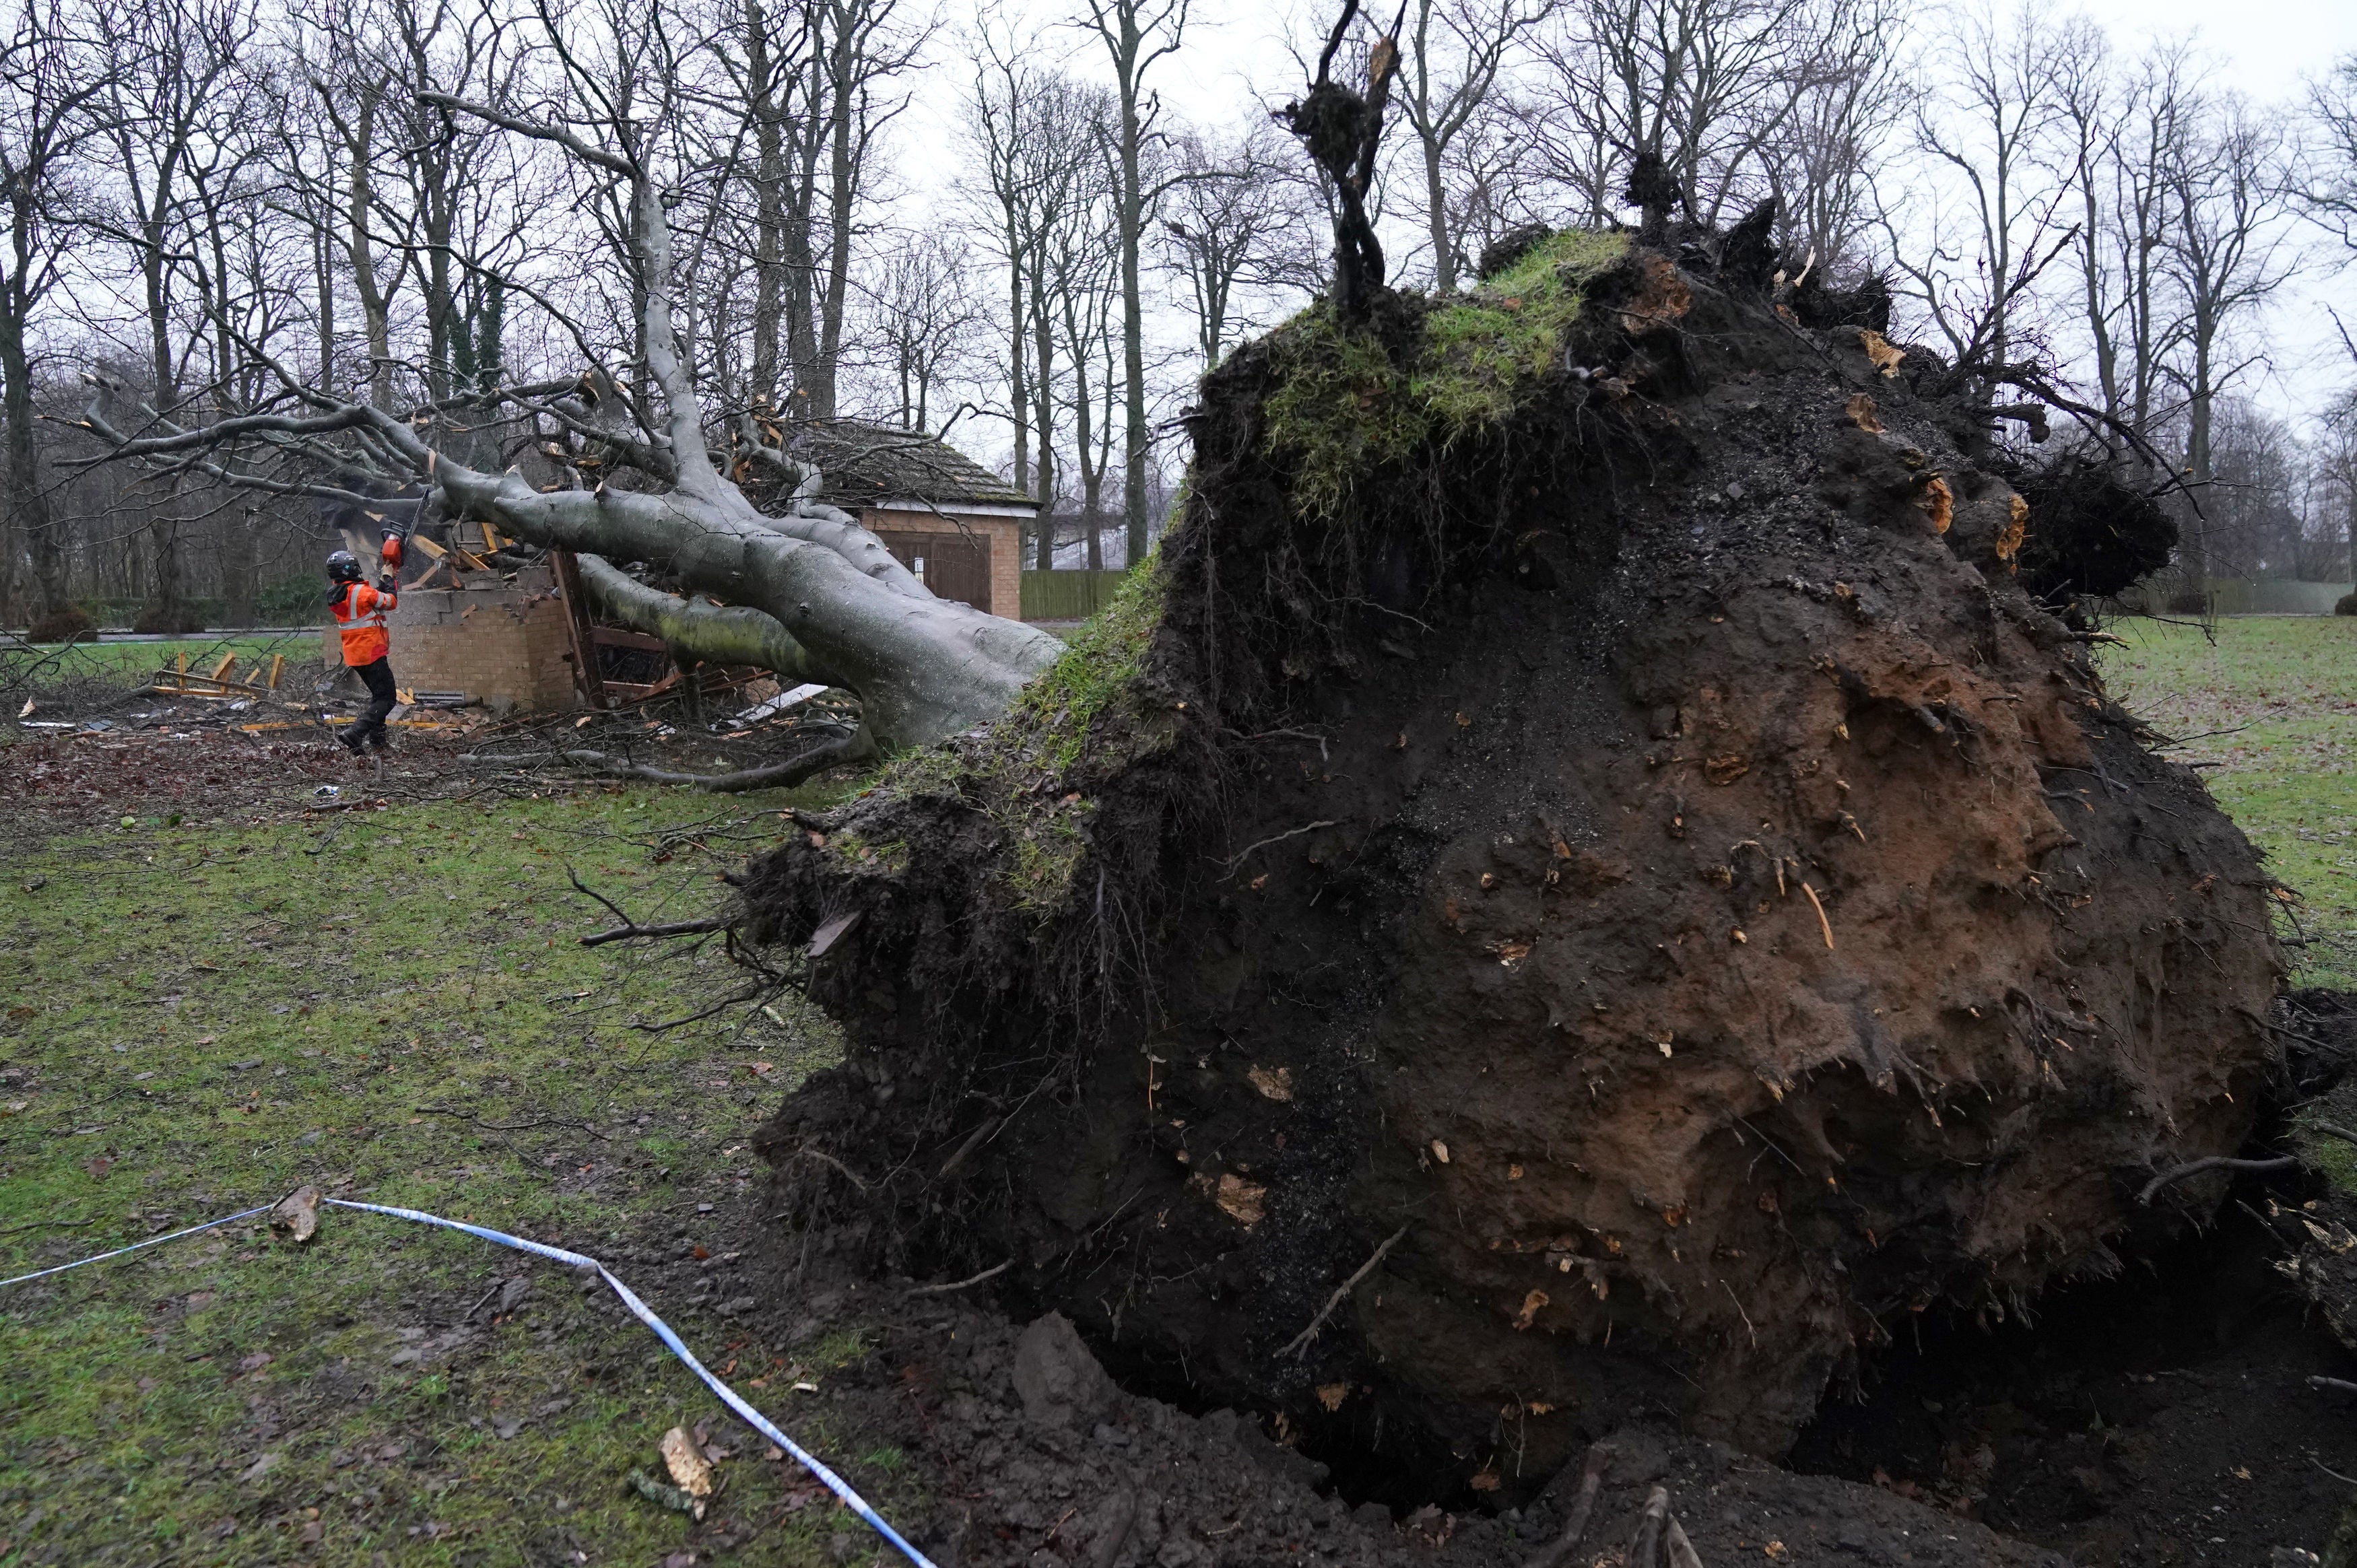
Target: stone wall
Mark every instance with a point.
(501, 643)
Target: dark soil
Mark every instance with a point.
(1635, 855)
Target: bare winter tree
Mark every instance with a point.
(174, 113)
(1136, 35)
(1696, 88)
(1821, 161)
(51, 75)
(2328, 175)
(2226, 254)
(822, 594)
(924, 318)
(2123, 134)
(1453, 53)
(1971, 250)
(1235, 227)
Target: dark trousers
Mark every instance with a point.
(370, 731)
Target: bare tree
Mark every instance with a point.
(1694, 87)
(1136, 35)
(925, 668)
(1971, 254)
(2227, 254)
(51, 76)
(2122, 136)
(924, 319)
(2327, 184)
(1821, 158)
(1233, 226)
(1452, 54)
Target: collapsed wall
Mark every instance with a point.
(1581, 831)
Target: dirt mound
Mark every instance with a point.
(1578, 885)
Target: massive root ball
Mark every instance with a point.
(1582, 806)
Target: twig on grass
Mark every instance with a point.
(630, 929)
(48, 1224)
(671, 928)
(506, 1126)
(722, 1006)
(1300, 1341)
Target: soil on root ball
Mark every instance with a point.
(1579, 838)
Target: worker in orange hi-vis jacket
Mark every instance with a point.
(359, 613)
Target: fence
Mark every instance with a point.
(1068, 595)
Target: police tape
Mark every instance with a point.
(638, 1309)
(151, 1242)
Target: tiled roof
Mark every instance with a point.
(864, 464)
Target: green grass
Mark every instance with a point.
(2270, 709)
(196, 1020)
(131, 664)
(1344, 411)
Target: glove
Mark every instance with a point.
(386, 582)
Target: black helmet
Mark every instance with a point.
(342, 567)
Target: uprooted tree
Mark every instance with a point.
(1578, 878)
(805, 590)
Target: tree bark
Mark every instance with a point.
(733, 634)
(28, 498)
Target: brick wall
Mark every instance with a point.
(1004, 533)
(508, 641)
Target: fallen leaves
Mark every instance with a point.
(1331, 1395)
(1726, 770)
(1243, 1201)
(1863, 414)
(1530, 1312)
(1440, 1150)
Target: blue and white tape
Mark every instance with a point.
(151, 1242)
(638, 1309)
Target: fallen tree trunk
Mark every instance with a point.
(716, 634)
(923, 668)
(1585, 787)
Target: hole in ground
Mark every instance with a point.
(2159, 1417)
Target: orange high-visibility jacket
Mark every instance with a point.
(359, 617)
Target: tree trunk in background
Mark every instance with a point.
(233, 547)
(27, 498)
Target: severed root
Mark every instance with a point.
(1659, 1541)
(1591, 1480)
(2212, 1163)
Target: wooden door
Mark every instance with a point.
(953, 565)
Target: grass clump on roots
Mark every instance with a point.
(1084, 717)
(1353, 401)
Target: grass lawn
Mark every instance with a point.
(2270, 706)
(129, 664)
(194, 1020)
